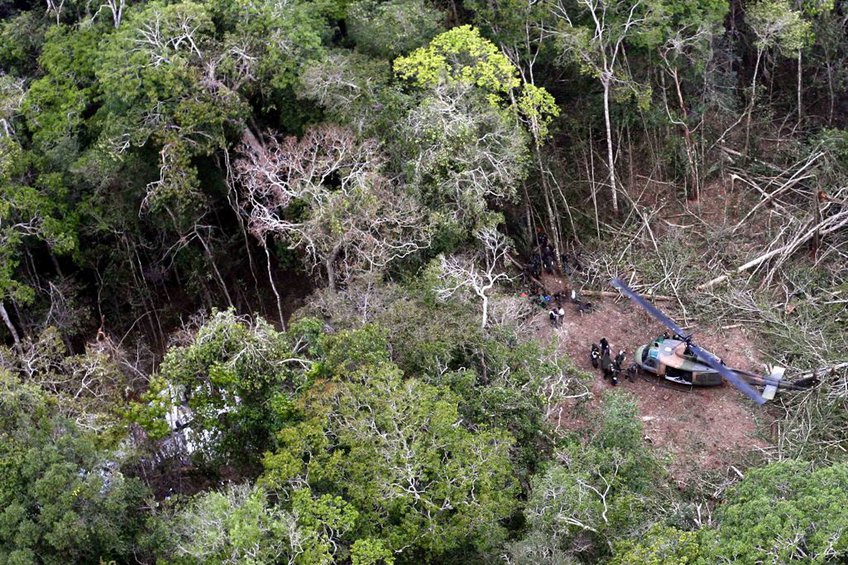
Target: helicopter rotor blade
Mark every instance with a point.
(622, 287)
(708, 357)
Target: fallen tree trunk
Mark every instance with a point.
(611, 294)
(824, 370)
(822, 228)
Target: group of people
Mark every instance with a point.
(543, 256)
(601, 356)
(557, 315)
(554, 303)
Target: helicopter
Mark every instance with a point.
(677, 359)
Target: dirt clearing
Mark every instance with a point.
(699, 428)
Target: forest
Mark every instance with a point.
(271, 275)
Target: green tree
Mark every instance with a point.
(601, 494)
(27, 213)
(467, 140)
(63, 497)
(237, 377)
(398, 452)
(784, 512)
(389, 29)
(241, 525)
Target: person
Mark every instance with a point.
(536, 265)
(616, 365)
(606, 362)
(595, 355)
(548, 259)
(553, 317)
(619, 359)
(605, 347)
(560, 315)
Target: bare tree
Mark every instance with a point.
(117, 9)
(679, 51)
(480, 276)
(353, 220)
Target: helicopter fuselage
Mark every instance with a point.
(670, 359)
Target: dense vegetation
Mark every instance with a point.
(259, 262)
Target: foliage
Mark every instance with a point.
(373, 145)
(240, 525)
(783, 512)
(397, 451)
(461, 56)
(601, 492)
(502, 376)
(237, 377)
(64, 498)
(393, 28)
(776, 24)
(356, 91)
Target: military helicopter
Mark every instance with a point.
(679, 360)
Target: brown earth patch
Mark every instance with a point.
(700, 428)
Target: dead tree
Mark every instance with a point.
(350, 218)
(481, 275)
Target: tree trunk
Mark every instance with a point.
(330, 265)
(817, 217)
(610, 158)
(552, 223)
(590, 171)
(5, 315)
(691, 151)
(274, 286)
(800, 76)
(211, 259)
(485, 311)
(751, 101)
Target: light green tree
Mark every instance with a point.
(469, 136)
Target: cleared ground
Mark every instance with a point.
(699, 428)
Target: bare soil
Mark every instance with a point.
(699, 428)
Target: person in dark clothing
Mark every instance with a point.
(548, 259)
(631, 373)
(553, 317)
(616, 366)
(605, 347)
(619, 359)
(606, 362)
(595, 355)
(536, 265)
